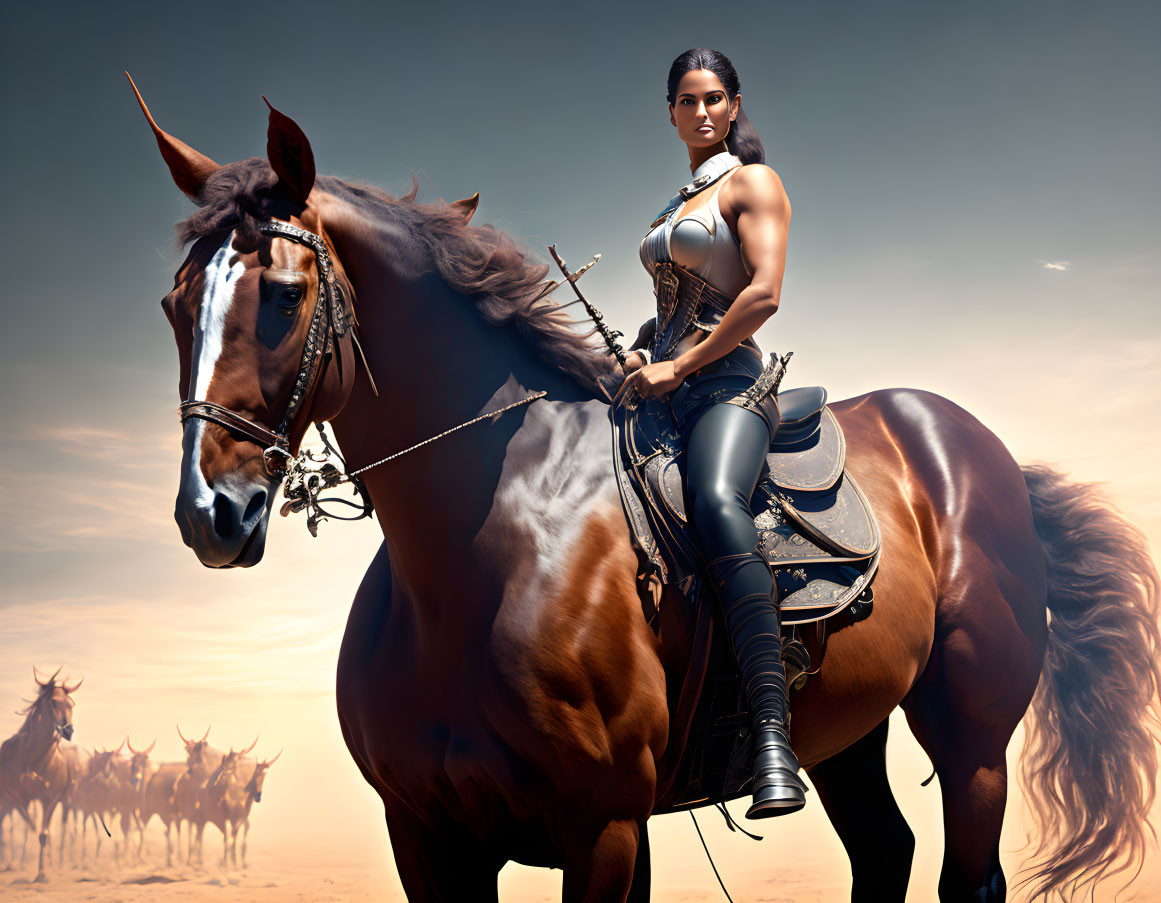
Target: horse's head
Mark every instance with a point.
(101, 765)
(139, 765)
(263, 317)
(254, 788)
(227, 769)
(55, 699)
(196, 751)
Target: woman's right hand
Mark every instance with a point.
(633, 361)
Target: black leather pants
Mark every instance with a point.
(725, 451)
(725, 448)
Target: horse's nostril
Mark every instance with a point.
(223, 516)
(257, 503)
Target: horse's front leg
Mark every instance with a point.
(449, 864)
(45, 820)
(600, 864)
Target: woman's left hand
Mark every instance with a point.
(655, 379)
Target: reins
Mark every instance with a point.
(312, 473)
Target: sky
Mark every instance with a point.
(977, 212)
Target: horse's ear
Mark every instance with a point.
(290, 154)
(188, 168)
(467, 206)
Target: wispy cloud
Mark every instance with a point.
(131, 449)
(1055, 264)
(87, 481)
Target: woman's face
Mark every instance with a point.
(702, 112)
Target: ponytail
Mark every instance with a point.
(742, 140)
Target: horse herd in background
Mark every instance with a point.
(40, 771)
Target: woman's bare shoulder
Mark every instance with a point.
(754, 186)
(759, 176)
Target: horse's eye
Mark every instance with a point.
(288, 300)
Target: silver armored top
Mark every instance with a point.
(701, 242)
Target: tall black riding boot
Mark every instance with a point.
(748, 595)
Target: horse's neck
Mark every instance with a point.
(38, 736)
(218, 781)
(205, 769)
(437, 364)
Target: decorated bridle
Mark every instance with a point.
(312, 473)
(328, 322)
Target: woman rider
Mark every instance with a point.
(722, 243)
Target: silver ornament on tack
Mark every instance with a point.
(609, 335)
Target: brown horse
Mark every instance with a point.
(498, 684)
(98, 789)
(219, 787)
(190, 791)
(225, 793)
(32, 767)
(132, 776)
(240, 806)
(160, 799)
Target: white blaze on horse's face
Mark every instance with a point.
(222, 513)
(221, 279)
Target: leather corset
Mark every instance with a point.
(688, 309)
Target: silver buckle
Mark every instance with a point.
(274, 468)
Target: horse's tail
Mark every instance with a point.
(1090, 757)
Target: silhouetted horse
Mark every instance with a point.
(498, 685)
(32, 766)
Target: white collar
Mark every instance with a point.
(716, 165)
(708, 173)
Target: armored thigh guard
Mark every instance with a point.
(761, 398)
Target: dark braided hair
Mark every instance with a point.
(742, 140)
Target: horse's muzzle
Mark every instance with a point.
(229, 531)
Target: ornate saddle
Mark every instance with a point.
(816, 531)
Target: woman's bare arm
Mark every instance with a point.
(763, 230)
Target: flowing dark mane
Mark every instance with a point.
(481, 262)
(43, 697)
